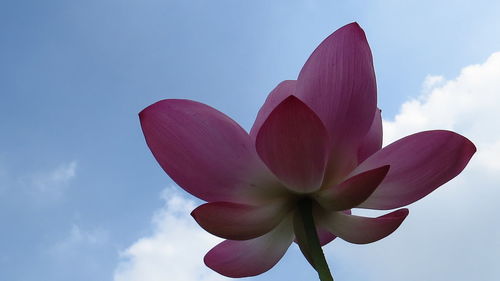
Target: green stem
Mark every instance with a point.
(309, 241)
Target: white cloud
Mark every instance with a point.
(53, 182)
(78, 238)
(453, 233)
(175, 249)
(78, 251)
(432, 81)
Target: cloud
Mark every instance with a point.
(79, 238)
(453, 233)
(53, 182)
(77, 254)
(175, 249)
(468, 104)
(432, 81)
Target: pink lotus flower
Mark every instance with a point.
(316, 139)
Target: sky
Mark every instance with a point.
(82, 198)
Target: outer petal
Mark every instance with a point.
(420, 163)
(294, 145)
(277, 95)
(362, 230)
(237, 221)
(338, 83)
(202, 150)
(352, 191)
(251, 257)
(372, 142)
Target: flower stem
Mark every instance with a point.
(308, 240)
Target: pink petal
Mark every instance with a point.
(338, 83)
(420, 163)
(352, 191)
(362, 230)
(372, 142)
(277, 95)
(293, 144)
(324, 236)
(202, 150)
(237, 221)
(251, 257)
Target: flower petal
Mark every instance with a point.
(420, 163)
(301, 238)
(251, 257)
(324, 236)
(362, 230)
(277, 95)
(238, 221)
(352, 191)
(293, 143)
(338, 83)
(202, 150)
(372, 142)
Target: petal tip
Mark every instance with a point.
(293, 143)
(353, 27)
(291, 99)
(472, 147)
(150, 109)
(144, 112)
(353, 24)
(210, 263)
(403, 213)
(384, 169)
(399, 215)
(193, 214)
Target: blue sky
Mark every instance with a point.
(78, 185)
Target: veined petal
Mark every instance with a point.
(277, 95)
(338, 83)
(372, 142)
(294, 145)
(238, 221)
(202, 150)
(352, 191)
(362, 230)
(420, 163)
(251, 257)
